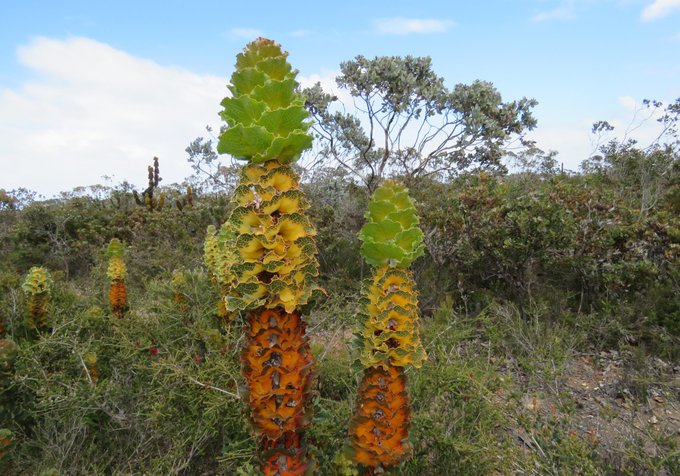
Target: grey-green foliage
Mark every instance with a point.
(209, 173)
(406, 121)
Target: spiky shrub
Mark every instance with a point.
(387, 339)
(116, 272)
(271, 271)
(38, 288)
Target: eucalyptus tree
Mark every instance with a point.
(403, 120)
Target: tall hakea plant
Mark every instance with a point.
(116, 272)
(388, 338)
(38, 288)
(272, 267)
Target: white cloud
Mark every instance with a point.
(327, 80)
(93, 110)
(628, 102)
(407, 26)
(570, 138)
(564, 12)
(300, 33)
(246, 33)
(659, 8)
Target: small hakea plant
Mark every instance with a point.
(178, 283)
(90, 360)
(217, 255)
(186, 200)
(116, 271)
(8, 354)
(388, 338)
(38, 288)
(6, 443)
(270, 264)
(148, 200)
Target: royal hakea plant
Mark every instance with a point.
(6, 443)
(148, 200)
(116, 271)
(387, 339)
(185, 201)
(8, 354)
(270, 266)
(178, 283)
(38, 288)
(218, 253)
(211, 256)
(90, 361)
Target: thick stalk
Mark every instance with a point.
(277, 366)
(118, 298)
(37, 311)
(286, 456)
(379, 429)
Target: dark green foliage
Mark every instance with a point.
(571, 240)
(338, 208)
(68, 234)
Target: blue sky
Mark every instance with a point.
(89, 89)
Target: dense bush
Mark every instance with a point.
(571, 240)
